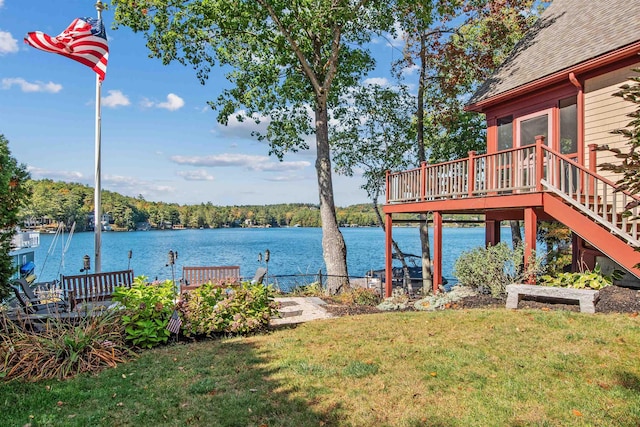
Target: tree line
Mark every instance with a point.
(54, 202)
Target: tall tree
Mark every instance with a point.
(454, 45)
(286, 58)
(14, 194)
(377, 124)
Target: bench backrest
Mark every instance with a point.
(95, 285)
(195, 276)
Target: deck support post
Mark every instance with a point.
(437, 251)
(388, 256)
(492, 232)
(530, 232)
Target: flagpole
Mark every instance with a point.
(97, 209)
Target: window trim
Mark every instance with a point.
(549, 112)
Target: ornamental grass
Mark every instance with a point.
(60, 349)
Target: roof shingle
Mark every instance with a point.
(568, 33)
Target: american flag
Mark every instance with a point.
(174, 322)
(85, 41)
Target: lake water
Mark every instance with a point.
(293, 250)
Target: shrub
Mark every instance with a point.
(61, 349)
(212, 309)
(491, 269)
(311, 290)
(148, 309)
(581, 280)
(359, 296)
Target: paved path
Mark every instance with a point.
(300, 309)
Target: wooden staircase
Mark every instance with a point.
(588, 200)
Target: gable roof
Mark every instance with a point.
(569, 32)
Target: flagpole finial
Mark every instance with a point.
(99, 6)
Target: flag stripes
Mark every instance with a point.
(175, 322)
(84, 41)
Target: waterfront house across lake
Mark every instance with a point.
(549, 107)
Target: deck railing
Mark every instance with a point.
(488, 174)
(533, 168)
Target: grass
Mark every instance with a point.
(447, 368)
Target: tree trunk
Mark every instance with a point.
(334, 249)
(516, 234)
(427, 277)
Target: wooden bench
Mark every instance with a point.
(94, 286)
(586, 297)
(193, 277)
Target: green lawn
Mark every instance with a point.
(449, 368)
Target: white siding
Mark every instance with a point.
(605, 113)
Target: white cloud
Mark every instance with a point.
(115, 98)
(196, 175)
(380, 81)
(251, 162)
(38, 173)
(410, 70)
(398, 40)
(146, 103)
(280, 166)
(286, 178)
(221, 160)
(132, 186)
(26, 86)
(1, 3)
(174, 102)
(242, 128)
(7, 43)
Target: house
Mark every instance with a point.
(548, 108)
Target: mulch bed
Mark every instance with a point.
(613, 299)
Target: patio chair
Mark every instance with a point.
(27, 289)
(259, 276)
(35, 306)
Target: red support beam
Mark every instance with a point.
(530, 232)
(388, 258)
(437, 251)
(492, 232)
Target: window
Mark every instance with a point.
(568, 125)
(505, 133)
(530, 128)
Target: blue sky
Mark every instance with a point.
(159, 138)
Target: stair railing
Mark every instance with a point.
(594, 195)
